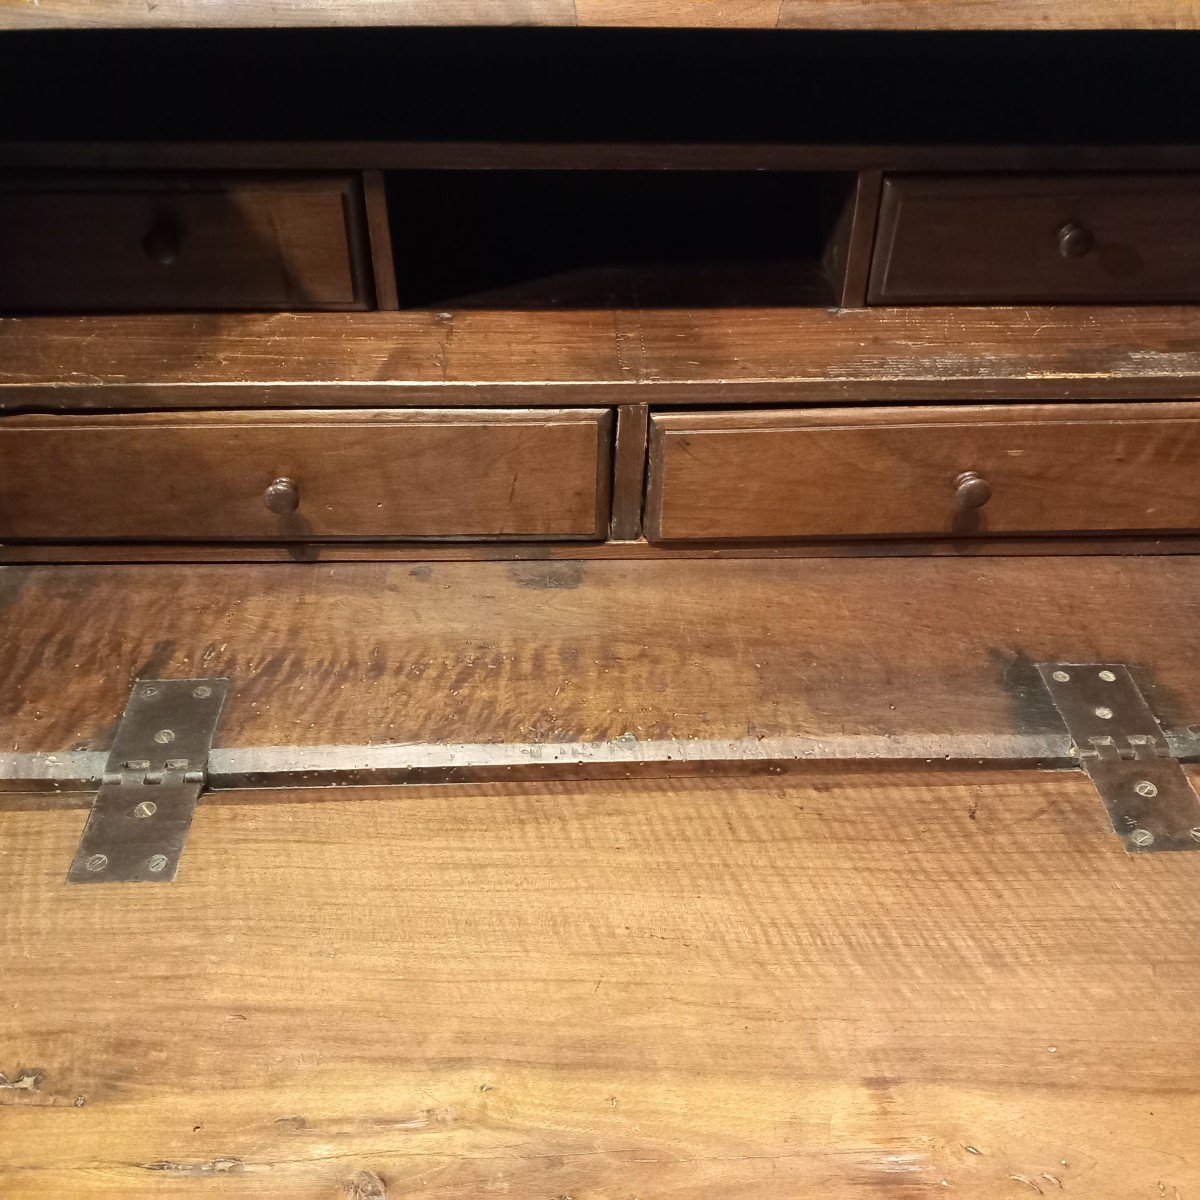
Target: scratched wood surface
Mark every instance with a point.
(760, 14)
(555, 356)
(369, 653)
(947, 985)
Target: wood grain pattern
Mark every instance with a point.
(950, 546)
(276, 14)
(680, 14)
(629, 471)
(383, 260)
(369, 653)
(780, 473)
(102, 243)
(989, 14)
(852, 243)
(807, 14)
(359, 473)
(995, 239)
(551, 357)
(858, 985)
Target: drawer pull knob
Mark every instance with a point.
(1074, 241)
(282, 496)
(971, 490)
(161, 244)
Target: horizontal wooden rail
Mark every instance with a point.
(600, 356)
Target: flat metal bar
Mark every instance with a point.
(1126, 755)
(152, 780)
(332, 766)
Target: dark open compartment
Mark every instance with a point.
(598, 238)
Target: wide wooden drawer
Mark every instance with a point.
(1039, 238)
(295, 476)
(197, 241)
(887, 472)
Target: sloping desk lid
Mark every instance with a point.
(454, 670)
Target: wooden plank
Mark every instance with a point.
(565, 651)
(629, 471)
(853, 241)
(989, 14)
(463, 154)
(549, 357)
(933, 985)
(277, 14)
(807, 14)
(383, 261)
(680, 14)
(1074, 545)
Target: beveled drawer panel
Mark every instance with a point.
(269, 476)
(193, 242)
(924, 472)
(1037, 238)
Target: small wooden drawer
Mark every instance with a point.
(273, 476)
(924, 472)
(1037, 239)
(190, 242)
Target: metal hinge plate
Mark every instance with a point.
(156, 770)
(1122, 748)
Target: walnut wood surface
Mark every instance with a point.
(874, 472)
(548, 357)
(646, 155)
(855, 985)
(629, 471)
(84, 242)
(807, 14)
(358, 473)
(368, 653)
(383, 262)
(991, 238)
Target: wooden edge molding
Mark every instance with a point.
(392, 154)
(538, 358)
(696, 14)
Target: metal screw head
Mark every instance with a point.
(1108, 676)
(202, 692)
(156, 862)
(1062, 677)
(1141, 837)
(1144, 787)
(168, 735)
(97, 862)
(151, 690)
(147, 808)
(1105, 714)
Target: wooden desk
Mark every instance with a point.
(641, 535)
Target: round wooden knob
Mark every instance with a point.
(282, 496)
(1074, 241)
(971, 490)
(161, 244)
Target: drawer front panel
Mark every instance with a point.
(287, 476)
(208, 243)
(1035, 239)
(1024, 469)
